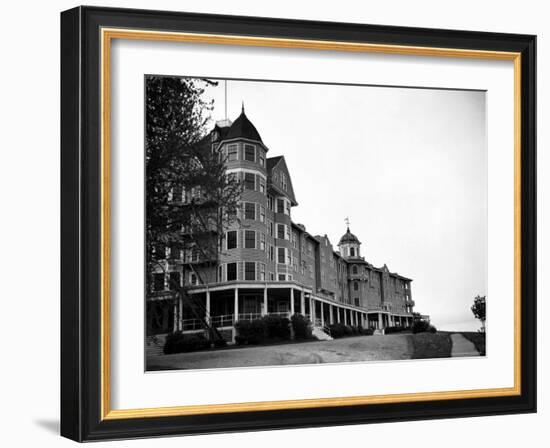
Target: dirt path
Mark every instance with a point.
(462, 346)
(354, 349)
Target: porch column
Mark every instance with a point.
(380, 324)
(180, 313)
(331, 315)
(302, 303)
(322, 314)
(175, 326)
(312, 310)
(207, 306)
(337, 315)
(236, 305)
(292, 301)
(264, 310)
(345, 316)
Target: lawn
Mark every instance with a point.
(431, 345)
(478, 339)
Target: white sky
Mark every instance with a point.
(408, 166)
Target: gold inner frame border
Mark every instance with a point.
(107, 35)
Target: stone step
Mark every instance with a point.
(320, 334)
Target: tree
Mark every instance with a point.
(189, 198)
(478, 309)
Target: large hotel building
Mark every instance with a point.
(271, 265)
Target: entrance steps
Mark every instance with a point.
(378, 332)
(321, 334)
(154, 345)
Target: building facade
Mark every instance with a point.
(268, 264)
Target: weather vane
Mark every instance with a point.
(347, 221)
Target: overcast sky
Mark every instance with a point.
(407, 166)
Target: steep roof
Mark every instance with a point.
(243, 128)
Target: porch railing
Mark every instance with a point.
(225, 320)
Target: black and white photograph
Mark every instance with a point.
(295, 223)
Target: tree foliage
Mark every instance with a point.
(478, 309)
(189, 197)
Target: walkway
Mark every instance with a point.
(352, 349)
(462, 346)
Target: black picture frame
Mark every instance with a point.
(81, 224)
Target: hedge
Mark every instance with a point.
(178, 342)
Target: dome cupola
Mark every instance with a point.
(349, 245)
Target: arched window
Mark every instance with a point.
(355, 286)
(354, 269)
(352, 251)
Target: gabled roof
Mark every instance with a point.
(273, 165)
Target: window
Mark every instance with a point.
(280, 205)
(262, 271)
(262, 241)
(193, 278)
(287, 232)
(232, 153)
(220, 273)
(158, 282)
(262, 213)
(261, 158)
(271, 253)
(287, 208)
(352, 251)
(231, 271)
(282, 277)
(249, 181)
(281, 231)
(232, 239)
(175, 281)
(270, 202)
(289, 258)
(250, 210)
(355, 286)
(283, 180)
(250, 270)
(271, 276)
(281, 256)
(356, 301)
(270, 228)
(250, 153)
(354, 269)
(250, 239)
(262, 185)
(294, 240)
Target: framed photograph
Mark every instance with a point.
(273, 223)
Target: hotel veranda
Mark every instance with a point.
(268, 264)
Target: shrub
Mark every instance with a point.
(336, 330)
(219, 343)
(179, 342)
(250, 332)
(423, 326)
(277, 327)
(368, 331)
(301, 326)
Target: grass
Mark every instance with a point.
(478, 339)
(431, 345)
